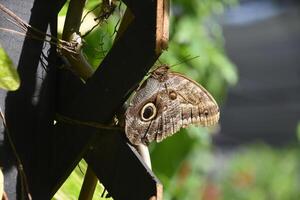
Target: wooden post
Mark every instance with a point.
(113, 160)
(88, 186)
(162, 26)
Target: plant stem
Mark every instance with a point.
(71, 34)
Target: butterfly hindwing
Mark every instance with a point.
(166, 102)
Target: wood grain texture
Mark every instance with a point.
(162, 26)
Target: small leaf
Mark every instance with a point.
(9, 78)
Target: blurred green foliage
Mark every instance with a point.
(182, 161)
(254, 172)
(194, 32)
(262, 172)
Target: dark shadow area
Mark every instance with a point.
(30, 110)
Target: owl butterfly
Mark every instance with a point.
(166, 102)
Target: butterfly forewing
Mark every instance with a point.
(179, 102)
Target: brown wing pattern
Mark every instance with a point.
(178, 102)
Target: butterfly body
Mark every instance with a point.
(166, 102)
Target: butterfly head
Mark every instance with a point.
(161, 73)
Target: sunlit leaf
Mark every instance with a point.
(87, 24)
(71, 188)
(9, 78)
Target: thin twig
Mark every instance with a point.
(23, 24)
(119, 20)
(107, 10)
(24, 182)
(68, 120)
(35, 33)
(12, 15)
(90, 30)
(22, 27)
(13, 31)
(116, 27)
(86, 14)
(61, 45)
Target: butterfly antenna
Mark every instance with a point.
(154, 67)
(184, 61)
(159, 61)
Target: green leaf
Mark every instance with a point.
(168, 155)
(72, 186)
(9, 78)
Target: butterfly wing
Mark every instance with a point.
(178, 103)
(194, 98)
(135, 126)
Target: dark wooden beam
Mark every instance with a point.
(120, 169)
(112, 159)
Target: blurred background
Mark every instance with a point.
(249, 57)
